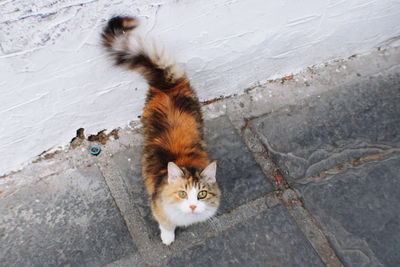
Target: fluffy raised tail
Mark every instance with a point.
(129, 50)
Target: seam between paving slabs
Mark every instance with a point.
(289, 198)
(131, 216)
(152, 251)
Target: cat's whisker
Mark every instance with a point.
(214, 223)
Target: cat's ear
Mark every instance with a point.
(210, 172)
(174, 172)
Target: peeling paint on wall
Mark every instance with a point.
(55, 78)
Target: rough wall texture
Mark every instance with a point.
(55, 77)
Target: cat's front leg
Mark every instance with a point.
(167, 235)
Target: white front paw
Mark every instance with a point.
(167, 236)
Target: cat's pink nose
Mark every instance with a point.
(193, 207)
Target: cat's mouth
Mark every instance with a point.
(192, 212)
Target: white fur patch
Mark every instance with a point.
(182, 215)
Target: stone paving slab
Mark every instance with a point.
(270, 238)
(358, 209)
(346, 123)
(65, 219)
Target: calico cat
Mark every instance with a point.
(176, 170)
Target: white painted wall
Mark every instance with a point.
(55, 78)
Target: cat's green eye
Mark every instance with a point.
(182, 194)
(202, 194)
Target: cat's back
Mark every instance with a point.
(172, 119)
(173, 125)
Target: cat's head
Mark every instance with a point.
(191, 195)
